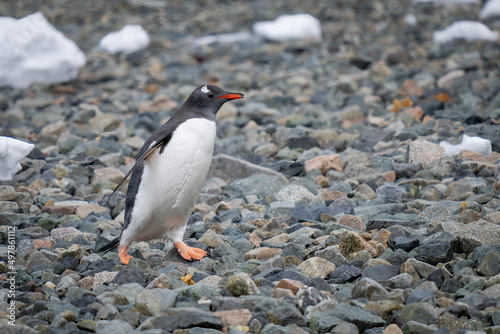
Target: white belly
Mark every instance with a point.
(171, 183)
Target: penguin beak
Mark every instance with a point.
(231, 96)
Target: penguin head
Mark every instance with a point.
(208, 99)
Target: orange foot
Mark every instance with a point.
(189, 253)
(122, 253)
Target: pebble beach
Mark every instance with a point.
(330, 206)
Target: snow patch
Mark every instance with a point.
(129, 39)
(491, 9)
(287, 27)
(410, 19)
(32, 50)
(11, 151)
(468, 30)
(475, 144)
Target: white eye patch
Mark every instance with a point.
(205, 89)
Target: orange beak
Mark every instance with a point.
(231, 96)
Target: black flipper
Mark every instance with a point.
(139, 160)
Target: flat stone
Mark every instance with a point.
(211, 239)
(459, 190)
(332, 254)
(114, 327)
(104, 122)
(420, 312)
(290, 284)
(435, 212)
(283, 237)
(345, 273)
(380, 273)
(8, 206)
(424, 152)
(295, 193)
(65, 233)
(406, 243)
(402, 281)
(262, 253)
(493, 217)
(85, 210)
(433, 253)
(261, 185)
(188, 318)
(316, 267)
(325, 163)
(157, 300)
(481, 230)
(239, 317)
(64, 210)
(361, 318)
(423, 269)
(352, 222)
(369, 289)
(415, 327)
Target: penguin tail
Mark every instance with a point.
(109, 246)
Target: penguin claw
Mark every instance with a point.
(124, 257)
(189, 253)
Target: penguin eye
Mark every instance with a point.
(210, 95)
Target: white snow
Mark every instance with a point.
(475, 144)
(468, 30)
(129, 39)
(32, 50)
(410, 19)
(286, 27)
(491, 9)
(11, 151)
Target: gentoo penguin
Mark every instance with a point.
(169, 173)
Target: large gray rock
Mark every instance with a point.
(420, 312)
(435, 212)
(17, 329)
(361, 318)
(381, 272)
(433, 253)
(325, 322)
(260, 184)
(113, 327)
(485, 232)
(490, 265)
(157, 300)
(188, 318)
(332, 254)
(229, 168)
(423, 269)
(295, 193)
(369, 289)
